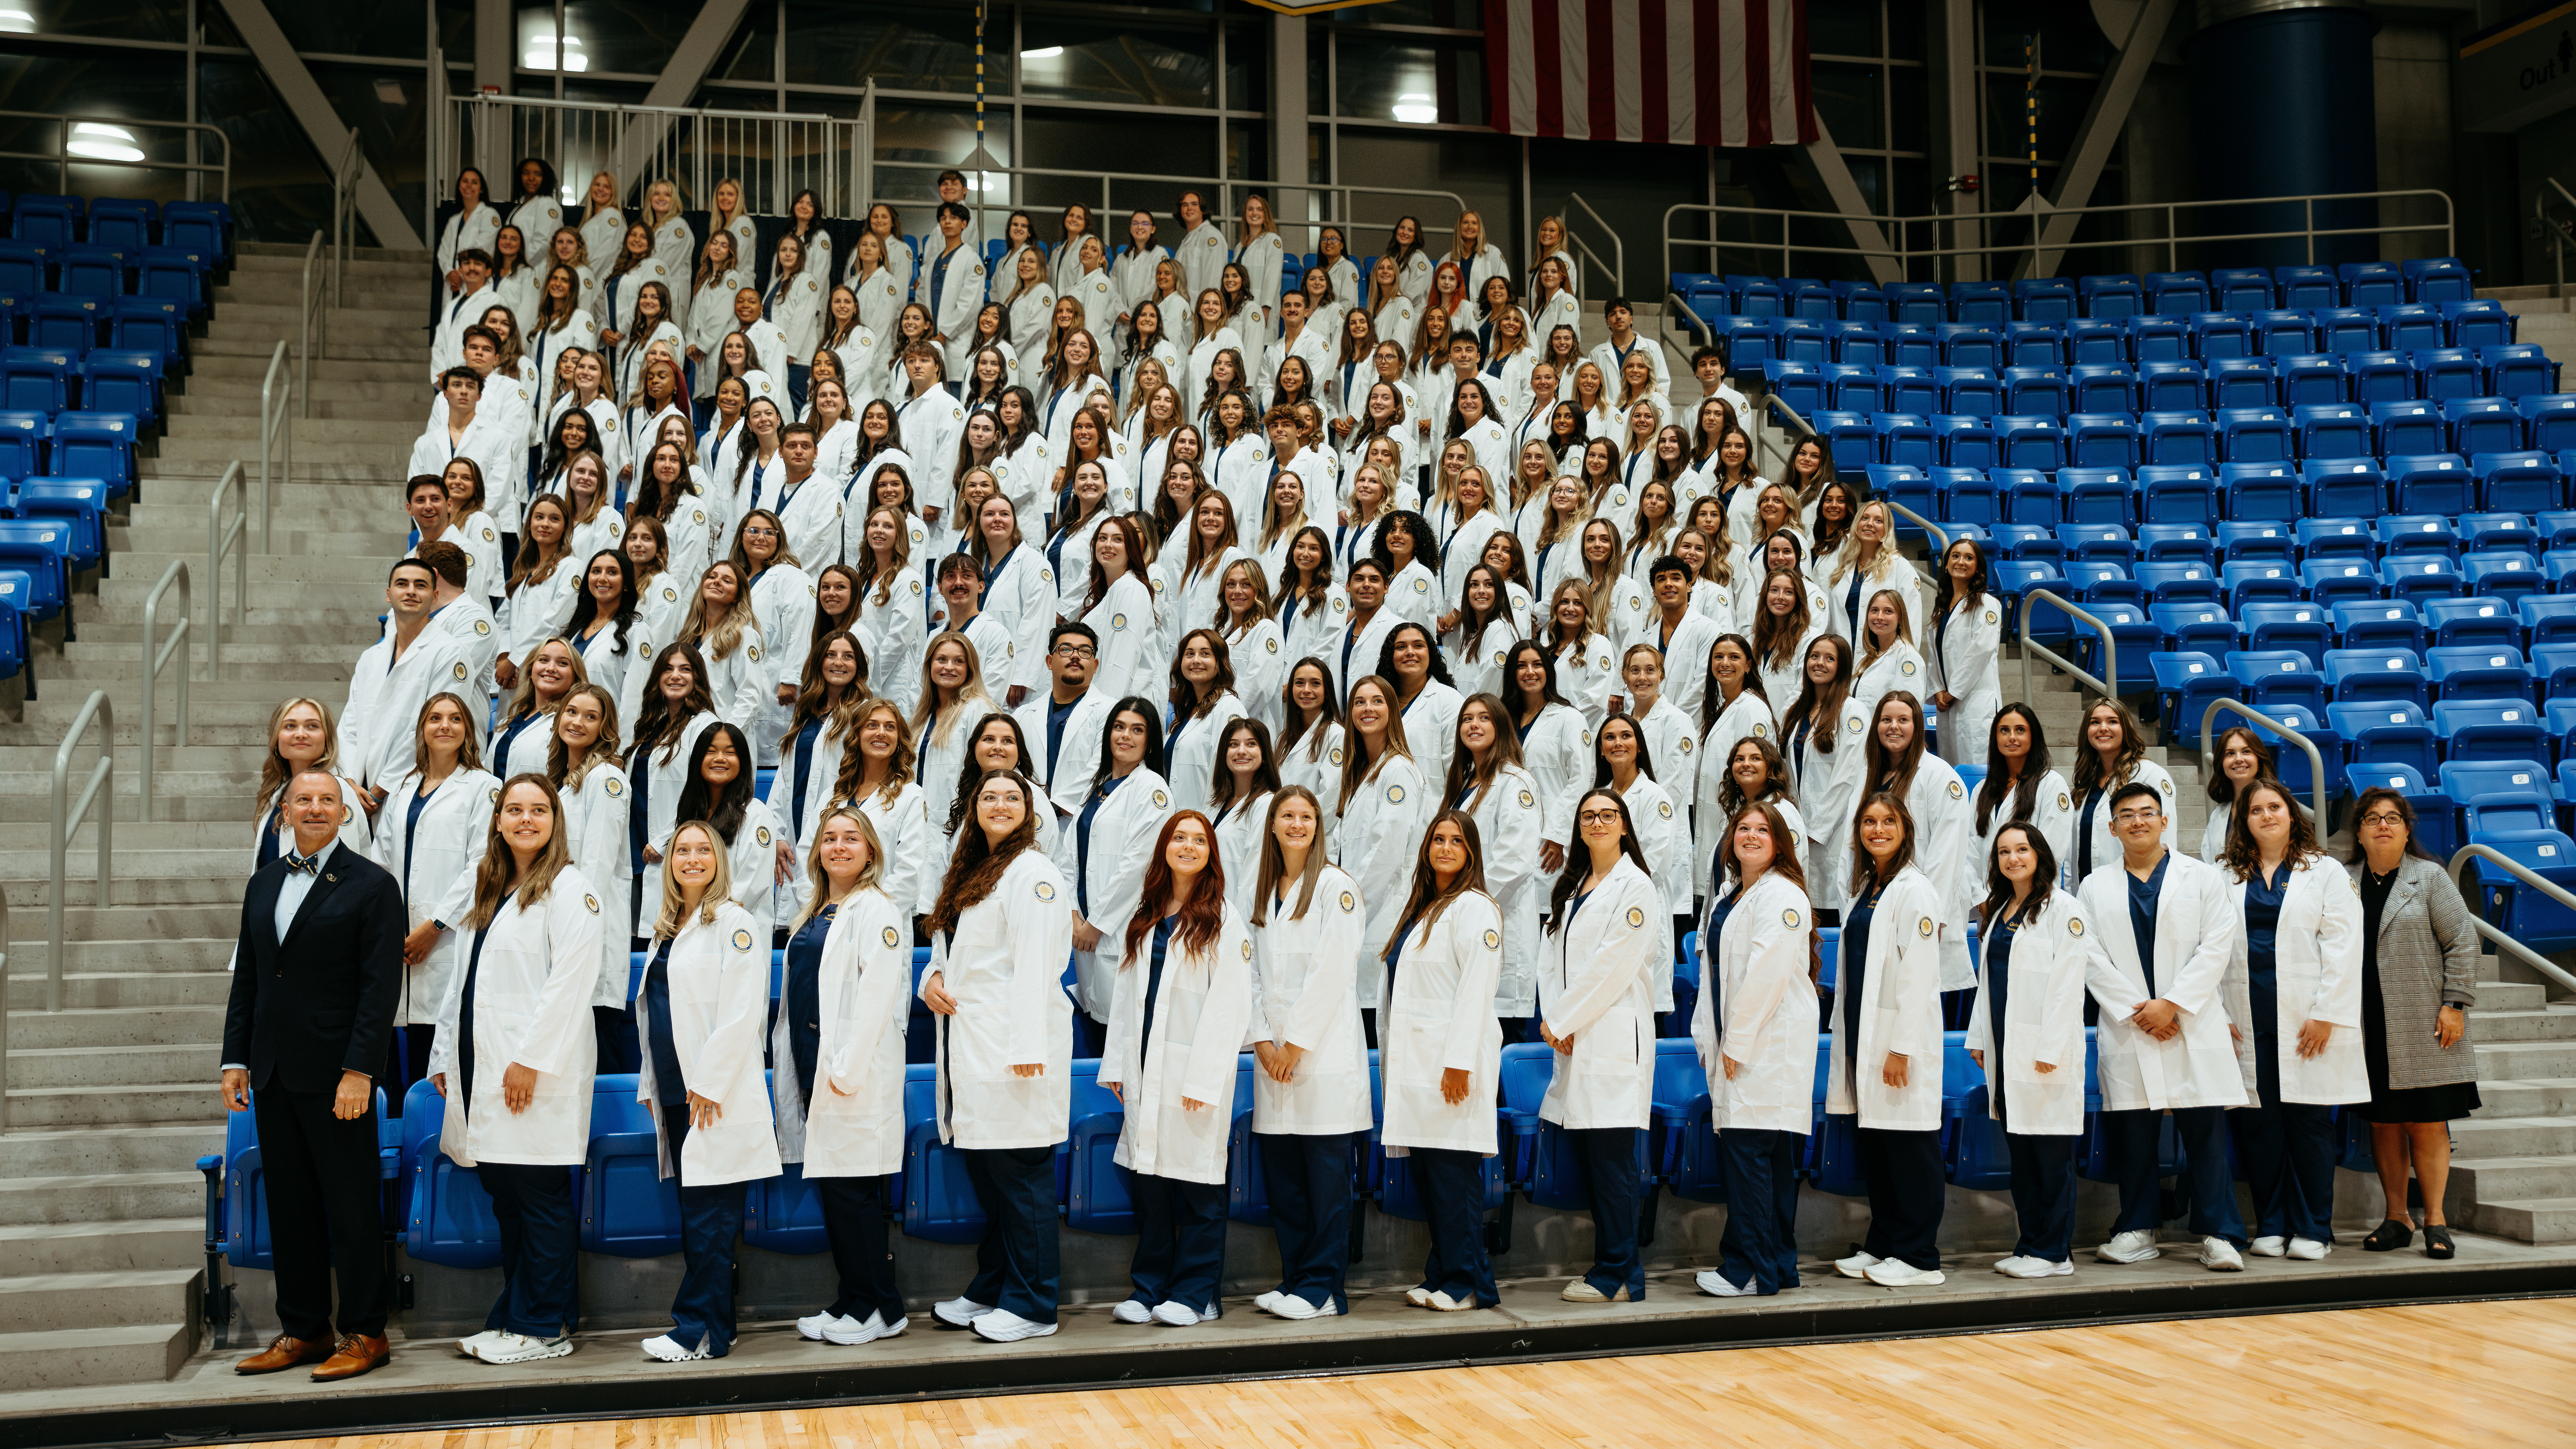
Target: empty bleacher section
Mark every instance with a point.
(134, 343)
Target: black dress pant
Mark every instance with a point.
(854, 1222)
(1907, 1191)
(326, 1212)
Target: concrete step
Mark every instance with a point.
(102, 1247)
(2555, 1023)
(191, 1062)
(97, 1197)
(2531, 1220)
(174, 797)
(2510, 996)
(123, 1104)
(72, 1152)
(247, 362)
(379, 430)
(86, 1357)
(27, 884)
(140, 567)
(181, 953)
(2523, 1061)
(2548, 1097)
(100, 990)
(54, 1302)
(2496, 1179)
(102, 1028)
(410, 349)
(2483, 1138)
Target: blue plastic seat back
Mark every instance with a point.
(627, 1209)
(448, 1218)
(1096, 1197)
(939, 1202)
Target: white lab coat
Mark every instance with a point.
(1111, 880)
(1596, 985)
(1193, 759)
(2052, 955)
(1829, 786)
(904, 828)
(1558, 751)
(1899, 667)
(659, 778)
(1587, 674)
(2106, 845)
(434, 864)
(795, 305)
(1945, 824)
(1431, 729)
(1782, 683)
(2316, 956)
(538, 609)
(532, 994)
(2052, 814)
(1068, 782)
(1379, 840)
(1124, 620)
(1305, 993)
(1749, 715)
(890, 631)
(1202, 1014)
(2195, 935)
(1509, 827)
(1315, 762)
(1963, 662)
(1002, 964)
(782, 599)
(1900, 1012)
(1759, 963)
(737, 681)
(854, 1125)
(719, 980)
(594, 827)
(1439, 1017)
(1663, 834)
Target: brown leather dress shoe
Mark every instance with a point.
(284, 1353)
(358, 1353)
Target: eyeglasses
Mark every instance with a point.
(2127, 817)
(1077, 651)
(2383, 817)
(1598, 817)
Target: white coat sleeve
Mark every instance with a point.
(2063, 1010)
(1225, 1016)
(563, 1022)
(876, 1003)
(2196, 987)
(1331, 971)
(1765, 987)
(2339, 927)
(450, 904)
(1041, 942)
(1511, 856)
(1125, 890)
(1476, 930)
(731, 1052)
(1593, 986)
(795, 625)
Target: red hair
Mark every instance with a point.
(1201, 916)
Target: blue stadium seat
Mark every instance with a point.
(1972, 392)
(2173, 542)
(2242, 382)
(447, 1217)
(1798, 385)
(939, 1202)
(2101, 580)
(22, 443)
(2030, 441)
(46, 221)
(2528, 915)
(1853, 387)
(2102, 389)
(2294, 769)
(2446, 372)
(2313, 377)
(2187, 682)
(2375, 676)
(2174, 387)
(2442, 280)
(2507, 576)
(2487, 623)
(2408, 425)
(2102, 440)
(2408, 328)
(2518, 482)
(1987, 304)
(2272, 678)
(2420, 579)
(2033, 344)
(2344, 329)
(1966, 495)
(627, 1209)
(80, 503)
(206, 226)
(2036, 391)
(1920, 302)
(1907, 389)
(2332, 430)
(2280, 334)
(23, 268)
(2177, 294)
(2489, 730)
(2327, 537)
(2220, 337)
(2243, 583)
(2193, 628)
(2548, 620)
(2492, 672)
(41, 548)
(2387, 732)
(2335, 582)
(2157, 339)
(1805, 341)
(2168, 583)
(2379, 377)
(1861, 301)
(89, 271)
(2241, 289)
(2352, 488)
(2110, 297)
(1096, 1198)
(35, 379)
(2254, 435)
(2482, 425)
(2098, 542)
(94, 445)
(150, 324)
(2178, 438)
(124, 382)
(2098, 496)
(2404, 533)
(2272, 623)
(2371, 284)
(2250, 540)
(2518, 370)
(2549, 420)
(64, 323)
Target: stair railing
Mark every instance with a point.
(2526, 876)
(276, 432)
(101, 791)
(153, 663)
(2029, 647)
(227, 536)
(2316, 760)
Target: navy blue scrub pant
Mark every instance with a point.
(1180, 1241)
(1017, 1268)
(2043, 1188)
(1907, 1190)
(710, 1221)
(854, 1223)
(1452, 1187)
(1613, 1163)
(2202, 1131)
(2288, 1152)
(1309, 1180)
(532, 1206)
(1759, 1247)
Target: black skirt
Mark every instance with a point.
(2448, 1102)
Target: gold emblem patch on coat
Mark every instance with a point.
(592, 902)
(1925, 926)
(1789, 918)
(1957, 790)
(742, 940)
(1161, 800)
(2075, 925)
(1395, 794)
(1046, 891)
(1636, 917)
(891, 938)
(1493, 940)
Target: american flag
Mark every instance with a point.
(1688, 72)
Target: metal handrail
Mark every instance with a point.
(64, 160)
(2524, 874)
(1940, 535)
(2110, 646)
(221, 535)
(276, 433)
(1618, 267)
(2316, 760)
(344, 224)
(153, 661)
(100, 789)
(309, 308)
(1903, 253)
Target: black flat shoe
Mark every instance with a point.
(2391, 1235)
(2437, 1241)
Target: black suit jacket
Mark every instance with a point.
(321, 1001)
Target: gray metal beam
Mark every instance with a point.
(496, 46)
(2104, 119)
(322, 124)
(1827, 158)
(1954, 127)
(678, 83)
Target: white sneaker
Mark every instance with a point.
(1418, 1297)
(1443, 1303)
(1181, 1315)
(850, 1332)
(2136, 1245)
(519, 1348)
(1000, 1326)
(1855, 1266)
(2268, 1247)
(1582, 1291)
(2309, 1250)
(670, 1350)
(959, 1312)
(894, 1329)
(1132, 1311)
(1268, 1302)
(2027, 1267)
(813, 1326)
(2220, 1256)
(1714, 1284)
(473, 1347)
(1293, 1307)
(1898, 1273)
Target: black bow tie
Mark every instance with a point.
(303, 864)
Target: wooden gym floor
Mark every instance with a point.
(2487, 1375)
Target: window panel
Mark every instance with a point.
(145, 85)
(339, 28)
(1842, 27)
(635, 37)
(120, 19)
(1847, 101)
(906, 47)
(1064, 58)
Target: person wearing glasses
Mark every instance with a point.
(2166, 1041)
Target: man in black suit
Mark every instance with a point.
(317, 969)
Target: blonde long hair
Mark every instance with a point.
(721, 636)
